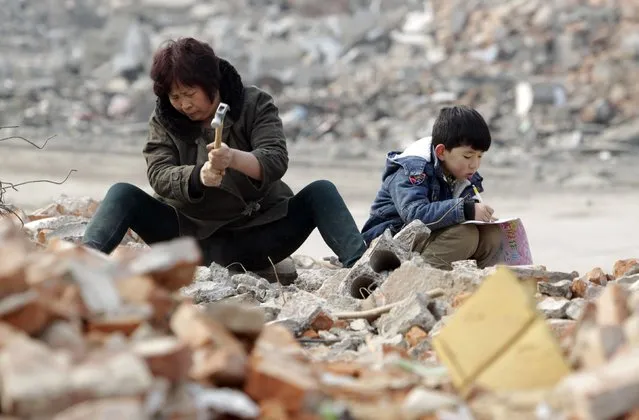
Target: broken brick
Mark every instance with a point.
(310, 334)
(166, 357)
(237, 318)
(34, 379)
(143, 290)
(196, 329)
(109, 408)
(583, 289)
(322, 322)
(171, 264)
(459, 299)
(605, 392)
(24, 311)
(596, 276)
(274, 376)
(222, 367)
(621, 267)
(612, 308)
(415, 335)
(125, 322)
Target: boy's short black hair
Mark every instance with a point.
(458, 126)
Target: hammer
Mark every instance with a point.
(218, 123)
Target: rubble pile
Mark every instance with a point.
(148, 332)
(362, 76)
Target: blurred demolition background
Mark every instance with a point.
(353, 79)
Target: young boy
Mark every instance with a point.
(432, 181)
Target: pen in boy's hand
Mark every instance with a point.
(477, 196)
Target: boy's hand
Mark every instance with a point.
(483, 212)
(209, 176)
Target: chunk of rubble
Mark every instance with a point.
(413, 277)
(413, 236)
(623, 267)
(170, 264)
(414, 311)
(553, 308)
(299, 311)
(606, 392)
(560, 289)
(597, 276)
(67, 206)
(382, 256)
(575, 308)
(584, 289)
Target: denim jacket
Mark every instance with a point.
(414, 188)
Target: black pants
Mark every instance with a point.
(318, 205)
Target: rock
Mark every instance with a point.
(383, 255)
(272, 376)
(300, 310)
(621, 267)
(211, 291)
(553, 308)
(605, 392)
(562, 328)
(311, 280)
(239, 319)
(559, 289)
(575, 308)
(413, 237)
(583, 289)
(612, 307)
(171, 264)
(412, 312)
(165, 357)
(440, 308)
(415, 335)
(422, 402)
(628, 280)
(596, 276)
(123, 408)
(412, 277)
(360, 325)
(202, 274)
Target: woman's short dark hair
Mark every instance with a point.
(188, 62)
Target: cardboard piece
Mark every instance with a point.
(497, 340)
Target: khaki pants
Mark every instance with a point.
(463, 242)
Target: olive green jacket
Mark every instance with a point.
(176, 147)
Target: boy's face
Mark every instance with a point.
(460, 162)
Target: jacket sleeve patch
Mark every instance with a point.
(417, 179)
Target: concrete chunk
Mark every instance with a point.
(413, 237)
(412, 312)
(553, 308)
(559, 289)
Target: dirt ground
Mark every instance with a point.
(567, 229)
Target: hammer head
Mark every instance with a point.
(220, 113)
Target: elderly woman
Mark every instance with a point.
(231, 199)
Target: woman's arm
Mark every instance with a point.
(247, 163)
(167, 177)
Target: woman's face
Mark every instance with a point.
(193, 102)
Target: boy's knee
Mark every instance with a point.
(464, 238)
(489, 246)
(490, 236)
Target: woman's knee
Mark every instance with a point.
(321, 188)
(123, 192)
